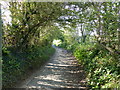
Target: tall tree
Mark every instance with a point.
(0, 49)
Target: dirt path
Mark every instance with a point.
(61, 71)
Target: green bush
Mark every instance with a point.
(63, 45)
(16, 64)
(103, 71)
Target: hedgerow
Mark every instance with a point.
(103, 71)
(17, 64)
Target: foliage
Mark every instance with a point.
(32, 23)
(95, 41)
(102, 70)
(27, 39)
(78, 25)
(98, 19)
(16, 65)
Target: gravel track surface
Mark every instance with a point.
(61, 71)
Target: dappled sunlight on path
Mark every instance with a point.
(61, 71)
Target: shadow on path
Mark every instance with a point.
(61, 71)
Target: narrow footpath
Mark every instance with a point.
(61, 71)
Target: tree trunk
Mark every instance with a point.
(84, 38)
(0, 33)
(0, 50)
(119, 28)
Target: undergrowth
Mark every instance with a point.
(103, 71)
(16, 64)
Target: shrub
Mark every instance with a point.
(103, 71)
(16, 64)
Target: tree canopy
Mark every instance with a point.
(91, 30)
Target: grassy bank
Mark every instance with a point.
(103, 71)
(17, 64)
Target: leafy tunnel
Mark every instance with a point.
(89, 30)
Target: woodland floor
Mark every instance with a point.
(61, 71)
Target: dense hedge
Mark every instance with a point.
(16, 64)
(103, 71)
